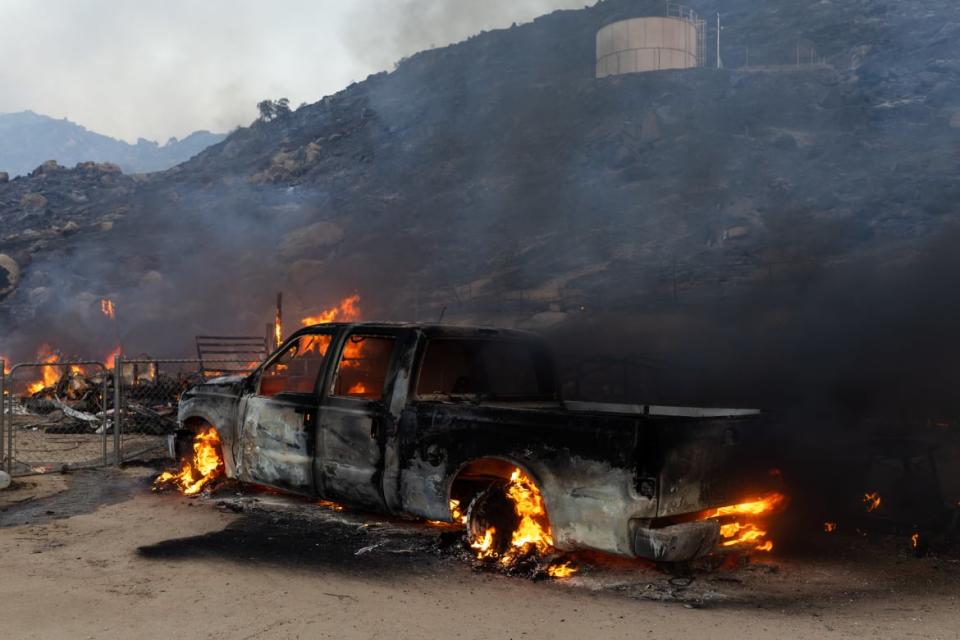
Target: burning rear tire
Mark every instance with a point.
(493, 509)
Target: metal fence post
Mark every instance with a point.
(117, 399)
(8, 424)
(105, 422)
(3, 403)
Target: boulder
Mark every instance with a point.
(735, 233)
(9, 275)
(33, 201)
(69, 227)
(4, 480)
(50, 166)
(152, 279)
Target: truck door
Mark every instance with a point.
(278, 426)
(355, 419)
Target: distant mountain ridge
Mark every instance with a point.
(28, 139)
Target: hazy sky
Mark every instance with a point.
(161, 68)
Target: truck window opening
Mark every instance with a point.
(493, 369)
(362, 372)
(297, 370)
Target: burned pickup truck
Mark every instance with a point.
(436, 422)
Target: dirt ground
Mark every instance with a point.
(95, 554)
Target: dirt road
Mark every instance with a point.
(103, 557)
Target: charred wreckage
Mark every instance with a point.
(459, 425)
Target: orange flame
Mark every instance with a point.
(829, 527)
(561, 570)
(357, 390)
(915, 540)
(316, 344)
(747, 533)
(483, 545)
(277, 330)
(50, 375)
(108, 309)
(533, 533)
(195, 473)
(752, 508)
(112, 356)
(6, 365)
(333, 506)
(871, 501)
(456, 513)
(347, 310)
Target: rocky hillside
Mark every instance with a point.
(706, 215)
(28, 139)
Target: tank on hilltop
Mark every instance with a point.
(654, 43)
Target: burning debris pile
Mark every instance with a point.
(78, 398)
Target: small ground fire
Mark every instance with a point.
(200, 469)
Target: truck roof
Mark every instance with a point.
(432, 330)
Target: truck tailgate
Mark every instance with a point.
(712, 462)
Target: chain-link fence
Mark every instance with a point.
(56, 415)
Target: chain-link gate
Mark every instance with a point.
(68, 428)
(61, 415)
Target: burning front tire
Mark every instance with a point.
(200, 466)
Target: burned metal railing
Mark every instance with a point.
(242, 351)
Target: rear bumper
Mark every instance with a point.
(676, 543)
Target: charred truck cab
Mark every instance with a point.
(405, 418)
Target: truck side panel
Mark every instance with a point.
(583, 464)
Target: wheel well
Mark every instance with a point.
(195, 424)
(475, 476)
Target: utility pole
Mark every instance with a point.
(719, 62)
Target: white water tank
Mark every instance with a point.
(647, 44)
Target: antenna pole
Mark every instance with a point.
(719, 63)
